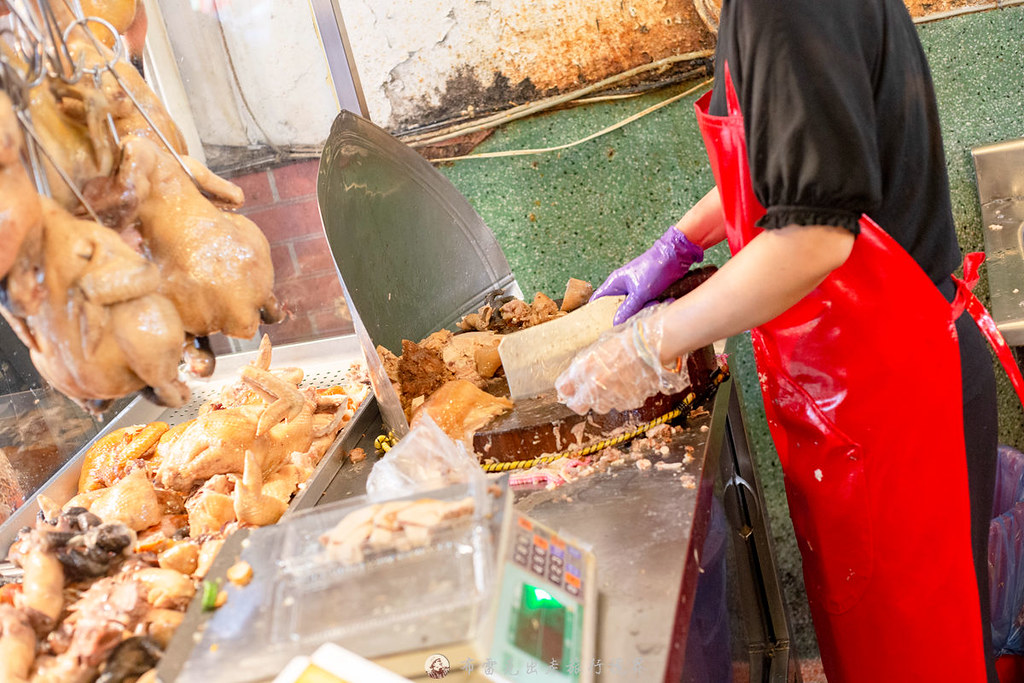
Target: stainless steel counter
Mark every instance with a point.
(646, 529)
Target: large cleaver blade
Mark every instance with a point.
(534, 358)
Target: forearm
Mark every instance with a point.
(704, 223)
(772, 273)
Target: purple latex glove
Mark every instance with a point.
(650, 273)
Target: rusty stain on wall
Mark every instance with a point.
(554, 49)
(424, 63)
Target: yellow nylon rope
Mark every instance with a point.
(384, 443)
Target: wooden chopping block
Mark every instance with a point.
(543, 426)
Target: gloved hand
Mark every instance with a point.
(621, 369)
(650, 273)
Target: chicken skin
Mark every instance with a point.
(17, 645)
(20, 210)
(128, 119)
(80, 145)
(86, 305)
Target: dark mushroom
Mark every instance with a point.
(130, 659)
(113, 538)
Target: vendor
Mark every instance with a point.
(831, 189)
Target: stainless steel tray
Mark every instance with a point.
(324, 362)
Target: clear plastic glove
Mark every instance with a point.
(650, 273)
(621, 369)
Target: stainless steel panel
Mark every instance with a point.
(412, 254)
(1000, 172)
(331, 26)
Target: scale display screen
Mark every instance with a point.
(539, 625)
(546, 591)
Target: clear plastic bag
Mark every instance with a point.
(1009, 488)
(1006, 580)
(425, 459)
(1006, 553)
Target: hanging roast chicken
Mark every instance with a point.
(135, 251)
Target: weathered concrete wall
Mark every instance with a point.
(422, 61)
(426, 61)
(255, 75)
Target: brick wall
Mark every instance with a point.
(282, 202)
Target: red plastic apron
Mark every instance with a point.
(862, 391)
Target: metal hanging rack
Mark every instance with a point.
(37, 50)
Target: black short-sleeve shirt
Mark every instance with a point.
(840, 118)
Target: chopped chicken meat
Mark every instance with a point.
(111, 457)
(459, 409)
(395, 525)
(132, 501)
(17, 645)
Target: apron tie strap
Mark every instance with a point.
(966, 301)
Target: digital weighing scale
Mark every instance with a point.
(545, 607)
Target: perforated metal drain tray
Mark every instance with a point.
(324, 362)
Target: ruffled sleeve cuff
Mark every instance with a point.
(781, 216)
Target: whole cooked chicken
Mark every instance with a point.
(92, 49)
(87, 307)
(217, 442)
(214, 265)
